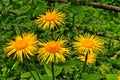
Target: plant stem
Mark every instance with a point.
(84, 66)
(29, 70)
(52, 66)
(52, 63)
(32, 75)
(36, 69)
(52, 34)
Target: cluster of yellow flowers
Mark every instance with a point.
(26, 44)
(88, 44)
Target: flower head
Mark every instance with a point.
(88, 44)
(53, 51)
(23, 45)
(91, 58)
(118, 77)
(50, 19)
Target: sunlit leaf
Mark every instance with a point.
(111, 76)
(92, 76)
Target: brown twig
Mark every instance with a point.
(104, 6)
(97, 5)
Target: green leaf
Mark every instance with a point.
(32, 78)
(57, 70)
(111, 76)
(46, 77)
(80, 14)
(25, 9)
(35, 75)
(20, 18)
(15, 0)
(23, 79)
(17, 12)
(25, 75)
(48, 69)
(17, 29)
(35, 2)
(6, 2)
(91, 76)
(14, 65)
(1, 6)
(28, 75)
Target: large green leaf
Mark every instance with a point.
(91, 76)
(29, 75)
(57, 69)
(48, 69)
(111, 76)
(25, 75)
(46, 77)
(80, 13)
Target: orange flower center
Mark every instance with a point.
(50, 17)
(52, 47)
(21, 44)
(87, 43)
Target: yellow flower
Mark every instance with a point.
(53, 51)
(118, 77)
(91, 58)
(23, 45)
(50, 19)
(88, 44)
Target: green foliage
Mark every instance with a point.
(92, 76)
(17, 16)
(111, 76)
(46, 77)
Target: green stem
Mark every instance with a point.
(84, 66)
(32, 75)
(26, 64)
(36, 69)
(52, 34)
(52, 63)
(52, 66)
